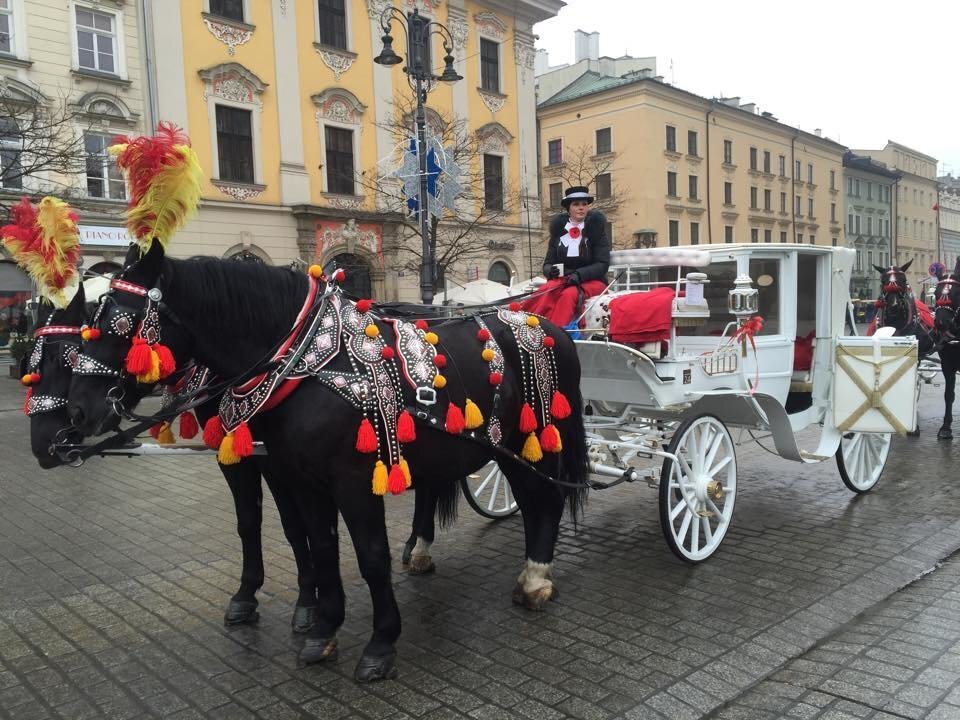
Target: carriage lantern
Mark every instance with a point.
(743, 299)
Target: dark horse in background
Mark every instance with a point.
(49, 423)
(235, 315)
(947, 323)
(898, 308)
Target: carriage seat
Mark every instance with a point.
(801, 380)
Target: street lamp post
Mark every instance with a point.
(419, 30)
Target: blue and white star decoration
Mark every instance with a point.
(443, 186)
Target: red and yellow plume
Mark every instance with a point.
(163, 176)
(45, 242)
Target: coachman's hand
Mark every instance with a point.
(554, 273)
(573, 279)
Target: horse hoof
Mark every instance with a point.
(303, 619)
(944, 433)
(317, 650)
(371, 669)
(406, 555)
(535, 600)
(240, 612)
(421, 565)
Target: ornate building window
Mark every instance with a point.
(228, 21)
(104, 179)
(494, 143)
(338, 118)
(332, 35)
(491, 31)
(499, 272)
(234, 104)
(13, 35)
(98, 40)
(11, 148)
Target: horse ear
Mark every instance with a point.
(133, 254)
(77, 303)
(906, 265)
(879, 269)
(147, 268)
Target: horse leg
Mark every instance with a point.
(294, 529)
(542, 508)
(243, 480)
(416, 551)
(950, 381)
(319, 513)
(364, 516)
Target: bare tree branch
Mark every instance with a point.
(581, 166)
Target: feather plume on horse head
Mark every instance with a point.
(163, 175)
(45, 241)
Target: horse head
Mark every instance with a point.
(895, 307)
(105, 382)
(945, 317)
(47, 371)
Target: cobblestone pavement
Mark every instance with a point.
(114, 576)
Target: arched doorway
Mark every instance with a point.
(499, 272)
(357, 283)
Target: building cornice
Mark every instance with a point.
(532, 11)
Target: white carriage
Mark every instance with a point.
(673, 411)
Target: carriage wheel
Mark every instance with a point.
(861, 458)
(698, 493)
(488, 492)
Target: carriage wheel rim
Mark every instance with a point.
(705, 477)
(864, 458)
(491, 492)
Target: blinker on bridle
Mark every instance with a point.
(35, 404)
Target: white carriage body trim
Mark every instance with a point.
(658, 257)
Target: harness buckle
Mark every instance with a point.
(426, 396)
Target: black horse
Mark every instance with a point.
(897, 308)
(236, 314)
(58, 349)
(947, 323)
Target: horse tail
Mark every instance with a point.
(574, 466)
(448, 496)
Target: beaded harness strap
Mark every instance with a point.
(35, 403)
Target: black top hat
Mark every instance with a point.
(578, 192)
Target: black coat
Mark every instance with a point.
(594, 258)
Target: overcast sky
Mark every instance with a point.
(862, 71)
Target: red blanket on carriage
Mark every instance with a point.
(923, 313)
(642, 317)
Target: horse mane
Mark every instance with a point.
(253, 296)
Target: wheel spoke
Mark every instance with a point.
(695, 534)
(493, 495)
(717, 442)
(677, 509)
(707, 531)
(687, 470)
(721, 518)
(507, 496)
(851, 449)
(720, 466)
(684, 526)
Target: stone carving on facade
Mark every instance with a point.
(345, 202)
(364, 238)
(494, 137)
(232, 82)
(375, 8)
(338, 105)
(524, 53)
(490, 25)
(229, 35)
(238, 191)
(337, 60)
(283, 7)
(459, 30)
(493, 101)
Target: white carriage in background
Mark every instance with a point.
(672, 411)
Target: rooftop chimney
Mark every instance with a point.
(749, 107)
(586, 45)
(818, 132)
(541, 62)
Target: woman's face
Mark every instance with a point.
(578, 210)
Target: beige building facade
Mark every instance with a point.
(682, 169)
(78, 65)
(916, 236)
(290, 118)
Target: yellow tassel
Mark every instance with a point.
(151, 377)
(315, 271)
(531, 449)
(165, 436)
(533, 320)
(371, 331)
(472, 416)
(380, 478)
(226, 455)
(439, 382)
(431, 337)
(405, 469)
(488, 354)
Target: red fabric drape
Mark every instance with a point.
(642, 317)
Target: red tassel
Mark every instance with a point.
(528, 420)
(213, 433)
(243, 441)
(559, 406)
(167, 363)
(26, 403)
(483, 334)
(549, 342)
(155, 430)
(366, 437)
(406, 430)
(139, 357)
(188, 426)
(496, 378)
(421, 325)
(397, 482)
(550, 439)
(455, 422)
(363, 306)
